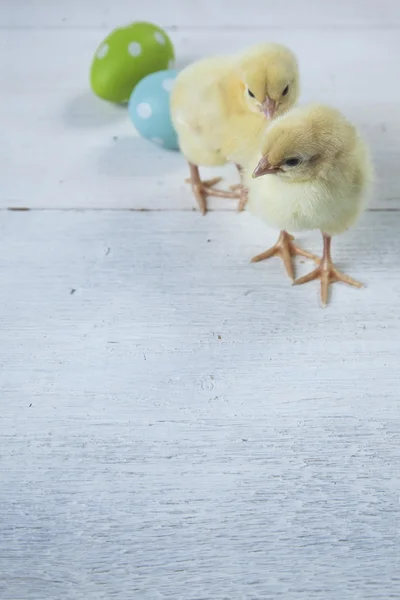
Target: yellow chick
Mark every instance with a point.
(220, 106)
(315, 173)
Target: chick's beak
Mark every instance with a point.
(264, 167)
(269, 107)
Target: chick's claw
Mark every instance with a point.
(244, 196)
(286, 249)
(207, 182)
(243, 191)
(328, 274)
(203, 189)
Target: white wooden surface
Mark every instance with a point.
(176, 423)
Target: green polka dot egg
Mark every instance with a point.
(126, 56)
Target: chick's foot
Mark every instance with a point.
(207, 182)
(242, 195)
(327, 273)
(286, 249)
(243, 198)
(203, 189)
(243, 191)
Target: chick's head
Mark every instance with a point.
(270, 79)
(306, 143)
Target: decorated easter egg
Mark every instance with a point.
(149, 108)
(126, 56)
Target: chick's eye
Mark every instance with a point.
(251, 94)
(292, 162)
(285, 91)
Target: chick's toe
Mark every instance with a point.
(286, 249)
(203, 189)
(327, 272)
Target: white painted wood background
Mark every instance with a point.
(176, 423)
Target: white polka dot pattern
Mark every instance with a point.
(102, 51)
(159, 37)
(144, 110)
(168, 84)
(134, 49)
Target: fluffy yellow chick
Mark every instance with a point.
(314, 173)
(220, 106)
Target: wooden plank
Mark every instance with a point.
(181, 13)
(62, 148)
(157, 275)
(178, 423)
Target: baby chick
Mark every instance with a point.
(319, 173)
(220, 106)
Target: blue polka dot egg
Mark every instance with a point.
(149, 108)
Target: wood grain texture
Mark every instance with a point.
(64, 148)
(180, 424)
(207, 14)
(176, 423)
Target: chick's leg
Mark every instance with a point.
(202, 189)
(286, 249)
(243, 194)
(327, 273)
